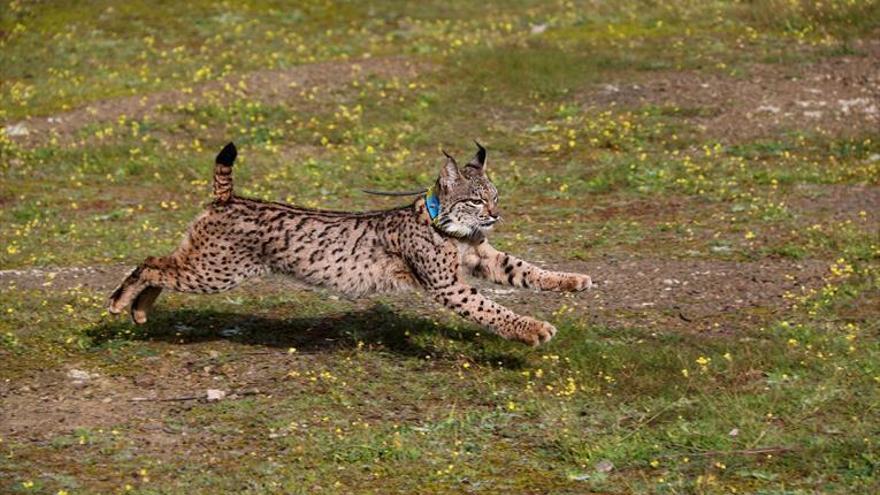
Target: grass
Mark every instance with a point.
(389, 395)
(661, 406)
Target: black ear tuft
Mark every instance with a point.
(227, 155)
(448, 156)
(478, 162)
(481, 153)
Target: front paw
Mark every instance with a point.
(535, 332)
(575, 282)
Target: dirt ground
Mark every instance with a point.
(695, 296)
(836, 96)
(686, 291)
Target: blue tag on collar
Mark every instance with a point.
(432, 202)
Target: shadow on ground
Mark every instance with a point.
(377, 327)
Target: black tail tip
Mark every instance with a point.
(227, 155)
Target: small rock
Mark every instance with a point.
(79, 375)
(230, 332)
(539, 28)
(734, 432)
(767, 109)
(16, 130)
(604, 466)
(846, 106)
(215, 395)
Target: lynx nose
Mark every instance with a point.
(493, 212)
(492, 220)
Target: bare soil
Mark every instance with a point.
(686, 294)
(837, 203)
(837, 95)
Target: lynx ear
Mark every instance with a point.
(478, 162)
(449, 174)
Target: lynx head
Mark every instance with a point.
(468, 199)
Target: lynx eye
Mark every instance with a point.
(476, 202)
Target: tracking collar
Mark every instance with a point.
(432, 202)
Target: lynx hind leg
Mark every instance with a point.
(141, 288)
(127, 290)
(142, 304)
(194, 274)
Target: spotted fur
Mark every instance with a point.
(237, 238)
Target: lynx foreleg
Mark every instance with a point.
(469, 303)
(502, 268)
(441, 278)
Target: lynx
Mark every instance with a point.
(430, 244)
